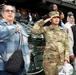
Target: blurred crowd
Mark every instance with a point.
(28, 20)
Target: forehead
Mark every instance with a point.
(56, 17)
(9, 7)
(62, 13)
(55, 5)
(71, 16)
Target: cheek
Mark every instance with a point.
(13, 16)
(3, 15)
(59, 20)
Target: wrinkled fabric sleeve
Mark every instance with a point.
(6, 31)
(67, 47)
(71, 41)
(38, 27)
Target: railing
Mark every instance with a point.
(70, 1)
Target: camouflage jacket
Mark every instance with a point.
(57, 40)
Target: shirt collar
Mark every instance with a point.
(51, 27)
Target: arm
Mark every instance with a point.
(71, 44)
(38, 26)
(67, 47)
(63, 25)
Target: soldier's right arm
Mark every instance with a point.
(38, 26)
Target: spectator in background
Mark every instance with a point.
(53, 7)
(35, 17)
(62, 24)
(18, 15)
(26, 15)
(70, 20)
(72, 35)
(30, 18)
(10, 28)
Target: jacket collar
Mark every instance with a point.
(4, 21)
(52, 28)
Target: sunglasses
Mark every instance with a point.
(12, 11)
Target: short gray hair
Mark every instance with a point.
(4, 6)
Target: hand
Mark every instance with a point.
(72, 58)
(47, 47)
(48, 19)
(65, 62)
(18, 29)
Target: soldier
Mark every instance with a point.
(56, 52)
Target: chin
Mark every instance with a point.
(10, 19)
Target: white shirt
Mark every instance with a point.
(71, 41)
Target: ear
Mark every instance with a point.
(50, 20)
(2, 14)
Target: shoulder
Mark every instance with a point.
(2, 21)
(67, 23)
(46, 28)
(74, 26)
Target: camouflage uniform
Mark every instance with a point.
(57, 42)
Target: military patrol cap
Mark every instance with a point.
(54, 14)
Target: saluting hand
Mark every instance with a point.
(48, 19)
